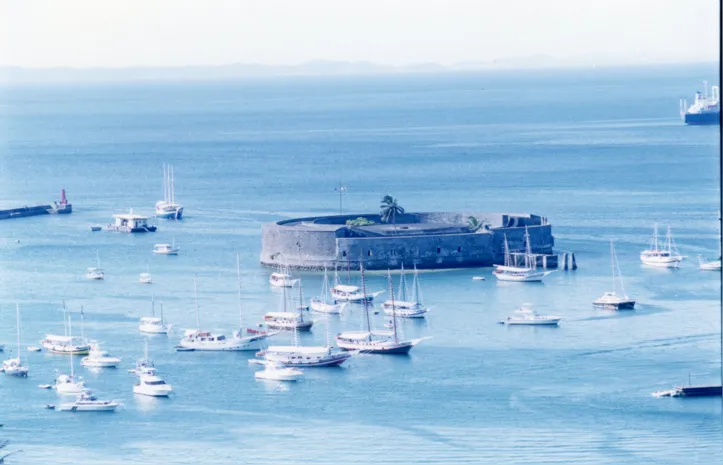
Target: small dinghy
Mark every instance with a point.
(95, 228)
(184, 349)
(33, 349)
(478, 278)
(45, 386)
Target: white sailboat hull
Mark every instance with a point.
(661, 262)
(154, 329)
(104, 362)
(323, 307)
(108, 406)
(152, 391)
(229, 345)
(710, 266)
(527, 276)
(538, 321)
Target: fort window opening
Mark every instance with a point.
(439, 250)
(369, 253)
(459, 249)
(343, 254)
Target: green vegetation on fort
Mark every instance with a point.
(360, 222)
(474, 224)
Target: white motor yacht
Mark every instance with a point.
(277, 371)
(712, 265)
(611, 300)
(526, 316)
(661, 255)
(65, 384)
(150, 384)
(166, 249)
(86, 402)
(99, 358)
(65, 345)
(145, 278)
(14, 366)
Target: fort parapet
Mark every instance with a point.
(424, 240)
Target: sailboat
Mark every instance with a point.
(713, 265)
(146, 278)
(282, 277)
(66, 345)
(373, 341)
(289, 320)
(152, 324)
(611, 300)
(666, 256)
(349, 292)
(305, 356)
(14, 366)
(527, 273)
(168, 208)
(95, 273)
(324, 303)
(166, 249)
(195, 339)
(251, 339)
(68, 384)
(144, 365)
(403, 307)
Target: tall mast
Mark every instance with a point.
(394, 310)
(17, 317)
(65, 320)
(364, 296)
(301, 302)
(82, 324)
(620, 276)
(164, 182)
(238, 278)
(195, 294)
(173, 187)
(417, 296)
(655, 237)
(402, 285)
(612, 263)
(70, 334)
(507, 252)
(348, 270)
(161, 312)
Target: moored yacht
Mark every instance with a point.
(168, 208)
(69, 384)
(526, 273)
(99, 358)
(14, 366)
(150, 384)
(277, 371)
(152, 324)
(304, 356)
(65, 345)
(166, 249)
(86, 402)
(288, 321)
(131, 223)
(526, 316)
(662, 256)
(282, 278)
(324, 303)
(405, 308)
(611, 299)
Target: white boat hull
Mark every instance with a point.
(229, 345)
(19, 372)
(100, 407)
(287, 374)
(662, 262)
(151, 391)
(153, 329)
(323, 307)
(537, 322)
(106, 362)
(710, 266)
(70, 388)
(534, 277)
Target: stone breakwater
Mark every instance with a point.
(425, 240)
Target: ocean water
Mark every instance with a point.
(601, 153)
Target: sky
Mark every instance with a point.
(124, 33)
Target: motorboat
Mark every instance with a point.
(166, 249)
(152, 324)
(96, 228)
(611, 299)
(14, 366)
(324, 303)
(168, 208)
(527, 273)
(152, 385)
(277, 371)
(526, 316)
(404, 307)
(662, 255)
(86, 402)
(705, 265)
(99, 358)
(33, 349)
(304, 356)
(145, 278)
(65, 345)
(374, 341)
(288, 321)
(282, 279)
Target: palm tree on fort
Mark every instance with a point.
(390, 209)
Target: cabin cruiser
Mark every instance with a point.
(94, 273)
(145, 278)
(282, 279)
(526, 316)
(168, 208)
(86, 402)
(277, 371)
(302, 356)
(99, 358)
(150, 384)
(661, 255)
(195, 339)
(166, 249)
(287, 320)
(67, 345)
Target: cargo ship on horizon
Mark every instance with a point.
(705, 110)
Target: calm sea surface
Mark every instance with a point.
(601, 153)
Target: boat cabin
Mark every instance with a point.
(130, 222)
